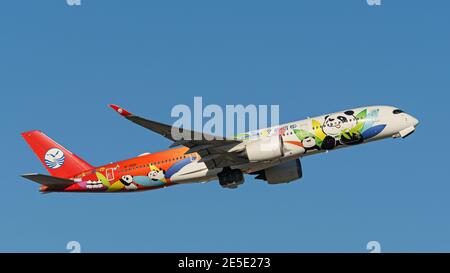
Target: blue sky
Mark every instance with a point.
(60, 66)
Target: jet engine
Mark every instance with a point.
(281, 173)
(266, 148)
(230, 178)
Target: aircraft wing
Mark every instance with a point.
(215, 151)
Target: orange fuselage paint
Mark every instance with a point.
(113, 176)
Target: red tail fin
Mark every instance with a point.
(58, 161)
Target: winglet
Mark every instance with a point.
(120, 110)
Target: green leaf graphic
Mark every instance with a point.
(103, 179)
(302, 134)
(360, 124)
(362, 114)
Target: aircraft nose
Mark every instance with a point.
(414, 121)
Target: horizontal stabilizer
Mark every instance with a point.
(48, 180)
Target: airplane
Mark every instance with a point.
(271, 154)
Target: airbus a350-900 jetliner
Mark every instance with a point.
(272, 154)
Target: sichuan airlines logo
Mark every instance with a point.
(54, 158)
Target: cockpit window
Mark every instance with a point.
(397, 111)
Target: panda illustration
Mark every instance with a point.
(309, 143)
(157, 175)
(336, 124)
(127, 181)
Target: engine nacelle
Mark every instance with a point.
(282, 173)
(266, 148)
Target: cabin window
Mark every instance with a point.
(397, 111)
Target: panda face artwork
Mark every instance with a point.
(127, 180)
(335, 124)
(309, 143)
(156, 175)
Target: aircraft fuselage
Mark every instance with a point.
(300, 138)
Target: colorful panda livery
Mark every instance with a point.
(273, 154)
(309, 143)
(128, 182)
(156, 177)
(308, 140)
(157, 174)
(343, 128)
(334, 124)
